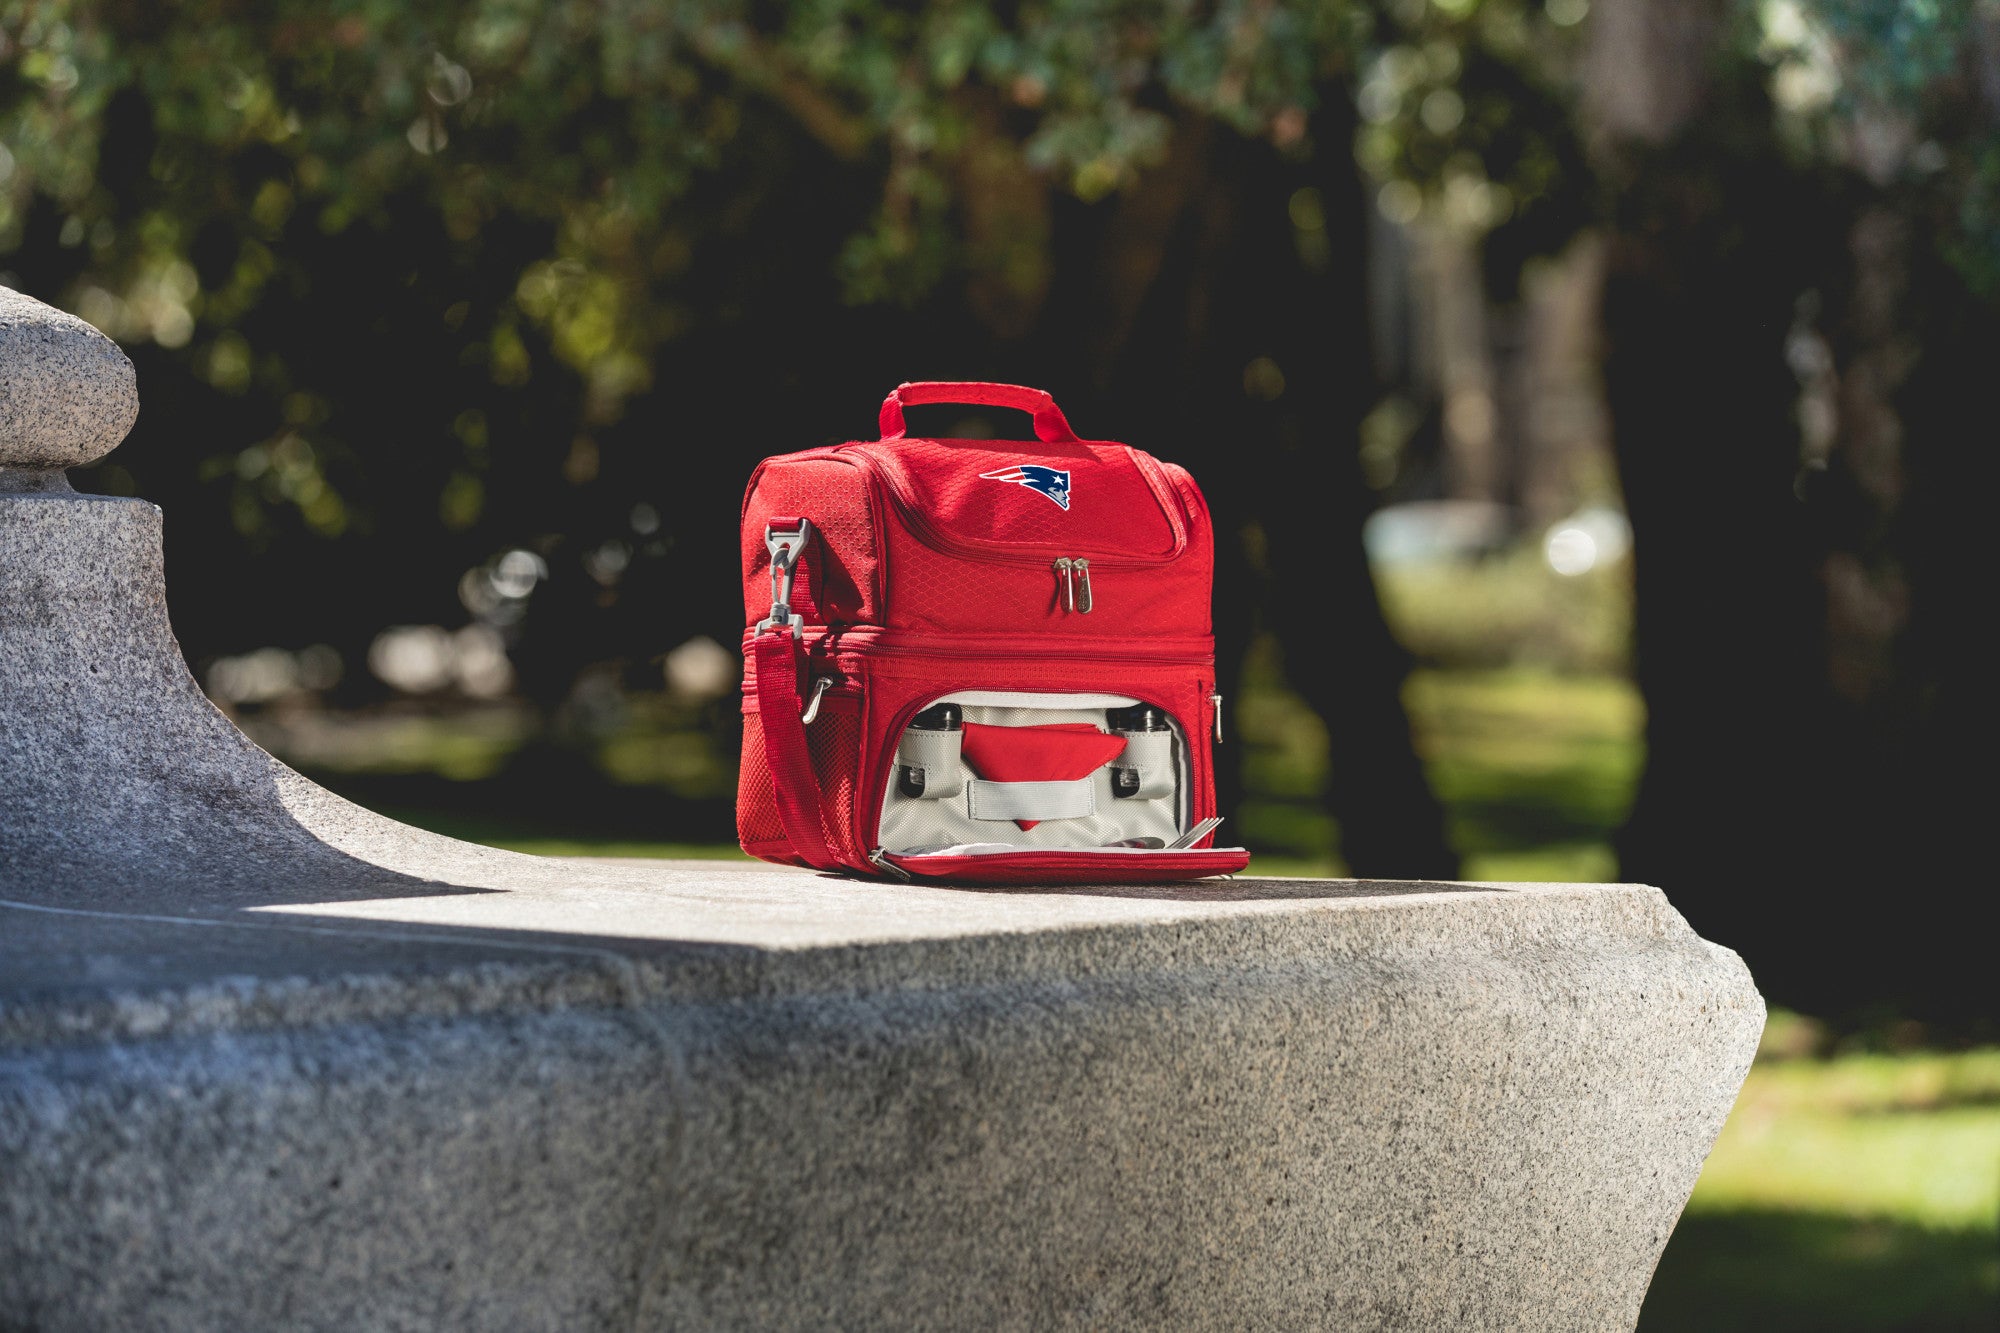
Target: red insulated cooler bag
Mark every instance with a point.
(980, 661)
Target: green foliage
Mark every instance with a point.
(1908, 91)
(1976, 249)
(598, 120)
(1465, 105)
(431, 274)
(1899, 50)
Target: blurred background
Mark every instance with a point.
(1594, 397)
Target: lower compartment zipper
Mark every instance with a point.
(1083, 865)
(1193, 653)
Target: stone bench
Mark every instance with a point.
(269, 1060)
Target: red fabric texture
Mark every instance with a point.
(872, 561)
(778, 660)
(1058, 752)
(839, 569)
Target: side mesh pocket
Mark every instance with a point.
(759, 828)
(834, 742)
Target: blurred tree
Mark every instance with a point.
(1800, 288)
(447, 279)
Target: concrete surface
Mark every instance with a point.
(268, 1060)
(721, 1096)
(68, 394)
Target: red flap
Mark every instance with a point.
(1058, 752)
(1036, 497)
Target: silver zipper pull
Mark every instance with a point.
(880, 860)
(1082, 568)
(1215, 706)
(1068, 593)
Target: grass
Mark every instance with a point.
(511, 836)
(1852, 1195)
(671, 851)
(1917, 1137)
(1791, 1271)
(1535, 770)
(1511, 609)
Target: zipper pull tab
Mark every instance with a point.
(820, 687)
(1067, 593)
(1082, 568)
(1215, 705)
(880, 860)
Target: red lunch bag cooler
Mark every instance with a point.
(980, 661)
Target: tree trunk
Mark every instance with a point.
(1229, 326)
(1793, 660)
(1698, 299)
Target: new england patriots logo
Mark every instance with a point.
(1052, 482)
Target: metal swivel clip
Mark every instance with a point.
(785, 548)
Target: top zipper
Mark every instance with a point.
(1198, 652)
(1073, 580)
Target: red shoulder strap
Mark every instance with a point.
(779, 658)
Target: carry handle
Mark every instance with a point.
(1050, 424)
